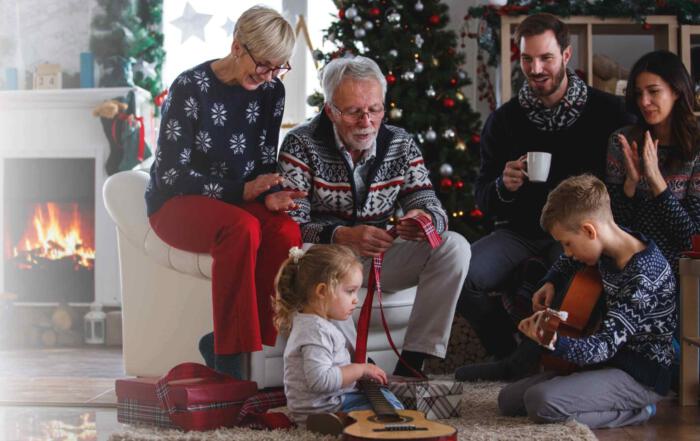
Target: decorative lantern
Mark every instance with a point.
(95, 325)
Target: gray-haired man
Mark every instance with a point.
(356, 172)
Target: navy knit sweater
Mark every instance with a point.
(636, 331)
(214, 138)
(508, 134)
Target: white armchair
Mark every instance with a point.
(166, 297)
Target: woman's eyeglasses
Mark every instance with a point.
(262, 69)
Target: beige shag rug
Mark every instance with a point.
(480, 420)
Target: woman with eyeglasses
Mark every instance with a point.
(214, 187)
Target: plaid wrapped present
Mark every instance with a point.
(190, 397)
(437, 399)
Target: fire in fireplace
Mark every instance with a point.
(49, 240)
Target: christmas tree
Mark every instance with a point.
(419, 57)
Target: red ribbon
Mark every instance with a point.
(131, 119)
(373, 284)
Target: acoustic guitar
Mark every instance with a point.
(579, 301)
(384, 422)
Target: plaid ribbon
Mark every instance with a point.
(434, 239)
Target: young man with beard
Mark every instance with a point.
(554, 112)
(356, 171)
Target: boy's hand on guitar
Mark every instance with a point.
(374, 373)
(542, 299)
(528, 326)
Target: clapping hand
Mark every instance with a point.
(641, 166)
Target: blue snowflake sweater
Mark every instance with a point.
(214, 138)
(637, 328)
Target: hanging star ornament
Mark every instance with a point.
(229, 26)
(191, 23)
(147, 69)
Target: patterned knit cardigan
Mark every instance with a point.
(310, 161)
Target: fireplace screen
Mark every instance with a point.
(49, 239)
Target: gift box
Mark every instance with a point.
(437, 399)
(189, 397)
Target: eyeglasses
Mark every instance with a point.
(356, 115)
(262, 69)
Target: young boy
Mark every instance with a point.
(626, 362)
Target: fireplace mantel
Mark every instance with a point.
(59, 124)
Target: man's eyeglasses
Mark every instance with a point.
(356, 115)
(262, 69)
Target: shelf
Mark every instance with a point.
(664, 29)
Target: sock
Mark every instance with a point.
(414, 359)
(206, 348)
(229, 364)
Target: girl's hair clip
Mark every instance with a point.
(296, 253)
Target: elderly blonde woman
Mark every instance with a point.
(214, 187)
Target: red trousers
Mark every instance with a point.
(248, 244)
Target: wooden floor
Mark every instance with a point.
(74, 384)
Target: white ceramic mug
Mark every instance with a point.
(538, 166)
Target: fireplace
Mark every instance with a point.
(49, 221)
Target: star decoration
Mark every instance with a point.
(419, 41)
(148, 69)
(229, 26)
(191, 23)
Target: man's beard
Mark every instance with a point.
(556, 83)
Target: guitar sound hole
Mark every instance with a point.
(390, 419)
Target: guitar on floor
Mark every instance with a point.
(384, 422)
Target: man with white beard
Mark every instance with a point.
(357, 171)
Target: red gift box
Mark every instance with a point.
(190, 397)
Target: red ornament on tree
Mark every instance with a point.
(646, 26)
(476, 214)
(434, 20)
(459, 185)
(375, 12)
(446, 184)
(341, 13)
(390, 79)
(453, 81)
(448, 102)
(475, 138)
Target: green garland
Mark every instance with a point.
(687, 12)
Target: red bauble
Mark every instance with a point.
(446, 183)
(448, 102)
(341, 13)
(453, 81)
(646, 26)
(434, 20)
(475, 138)
(476, 214)
(375, 12)
(390, 79)
(459, 185)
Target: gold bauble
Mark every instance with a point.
(461, 146)
(459, 96)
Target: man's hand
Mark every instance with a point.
(283, 200)
(366, 240)
(514, 174)
(409, 230)
(542, 299)
(256, 187)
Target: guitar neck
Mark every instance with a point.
(380, 405)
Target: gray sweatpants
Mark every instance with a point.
(438, 273)
(599, 398)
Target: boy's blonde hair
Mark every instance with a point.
(575, 199)
(266, 33)
(296, 282)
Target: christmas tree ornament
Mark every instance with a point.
(462, 75)
(375, 12)
(475, 138)
(395, 113)
(351, 12)
(390, 78)
(453, 81)
(435, 62)
(360, 33)
(430, 135)
(446, 170)
(369, 25)
(191, 23)
(420, 138)
(229, 27)
(445, 184)
(408, 75)
(459, 96)
(393, 17)
(498, 3)
(341, 14)
(460, 146)
(434, 20)
(646, 26)
(418, 6)
(419, 41)
(448, 134)
(430, 93)
(476, 214)
(419, 67)
(459, 185)
(448, 102)
(357, 19)
(393, 53)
